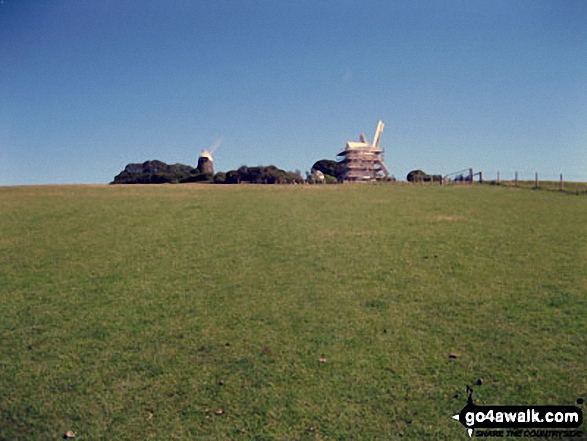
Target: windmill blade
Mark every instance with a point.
(378, 132)
(215, 145)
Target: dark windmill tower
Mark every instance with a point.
(205, 162)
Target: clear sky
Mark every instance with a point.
(88, 86)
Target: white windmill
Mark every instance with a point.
(364, 161)
(205, 161)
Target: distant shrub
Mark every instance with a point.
(156, 172)
(330, 179)
(387, 179)
(420, 176)
(416, 176)
(220, 178)
(198, 177)
(329, 167)
(262, 175)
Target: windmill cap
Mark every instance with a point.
(206, 154)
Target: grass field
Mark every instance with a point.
(203, 312)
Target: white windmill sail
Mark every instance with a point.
(207, 153)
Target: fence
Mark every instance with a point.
(576, 184)
(535, 182)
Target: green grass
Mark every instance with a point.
(124, 307)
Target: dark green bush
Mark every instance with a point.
(330, 179)
(220, 178)
(329, 167)
(156, 172)
(262, 175)
(420, 176)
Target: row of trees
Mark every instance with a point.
(158, 172)
(323, 171)
(258, 175)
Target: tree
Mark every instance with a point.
(262, 175)
(157, 172)
(420, 176)
(220, 178)
(416, 176)
(329, 167)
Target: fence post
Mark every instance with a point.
(471, 175)
(498, 177)
(516, 179)
(561, 184)
(480, 177)
(536, 185)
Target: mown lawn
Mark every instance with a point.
(285, 312)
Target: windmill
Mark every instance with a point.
(364, 161)
(205, 161)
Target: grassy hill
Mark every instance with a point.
(285, 312)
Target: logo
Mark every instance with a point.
(520, 421)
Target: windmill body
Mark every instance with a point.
(205, 161)
(363, 161)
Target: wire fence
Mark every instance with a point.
(575, 184)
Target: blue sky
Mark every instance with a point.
(89, 86)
